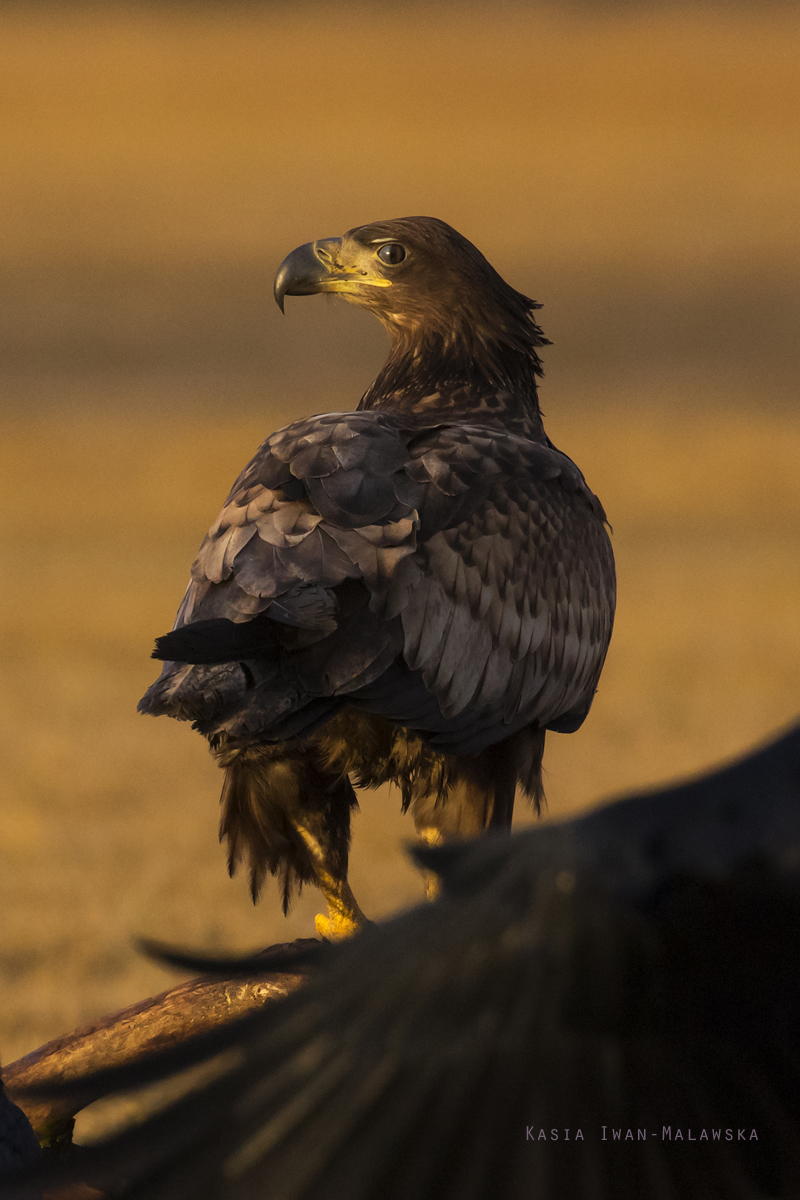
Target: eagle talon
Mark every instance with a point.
(338, 925)
(432, 884)
(430, 836)
(344, 915)
(344, 918)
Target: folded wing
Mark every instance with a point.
(476, 559)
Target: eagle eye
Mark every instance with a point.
(392, 253)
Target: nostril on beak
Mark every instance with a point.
(327, 252)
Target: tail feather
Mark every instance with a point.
(195, 693)
(217, 641)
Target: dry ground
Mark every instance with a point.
(635, 171)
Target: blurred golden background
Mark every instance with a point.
(634, 168)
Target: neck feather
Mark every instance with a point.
(476, 371)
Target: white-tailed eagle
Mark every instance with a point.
(415, 591)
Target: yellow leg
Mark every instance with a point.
(344, 915)
(432, 837)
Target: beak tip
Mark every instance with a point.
(302, 273)
(282, 282)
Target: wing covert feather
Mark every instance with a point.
(520, 594)
(322, 501)
(489, 547)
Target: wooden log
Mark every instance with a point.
(121, 1037)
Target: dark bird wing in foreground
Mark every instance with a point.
(631, 976)
(18, 1144)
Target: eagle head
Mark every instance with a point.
(414, 273)
(452, 319)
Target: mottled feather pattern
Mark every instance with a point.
(504, 600)
(347, 463)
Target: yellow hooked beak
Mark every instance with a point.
(321, 267)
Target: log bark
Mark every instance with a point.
(121, 1037)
